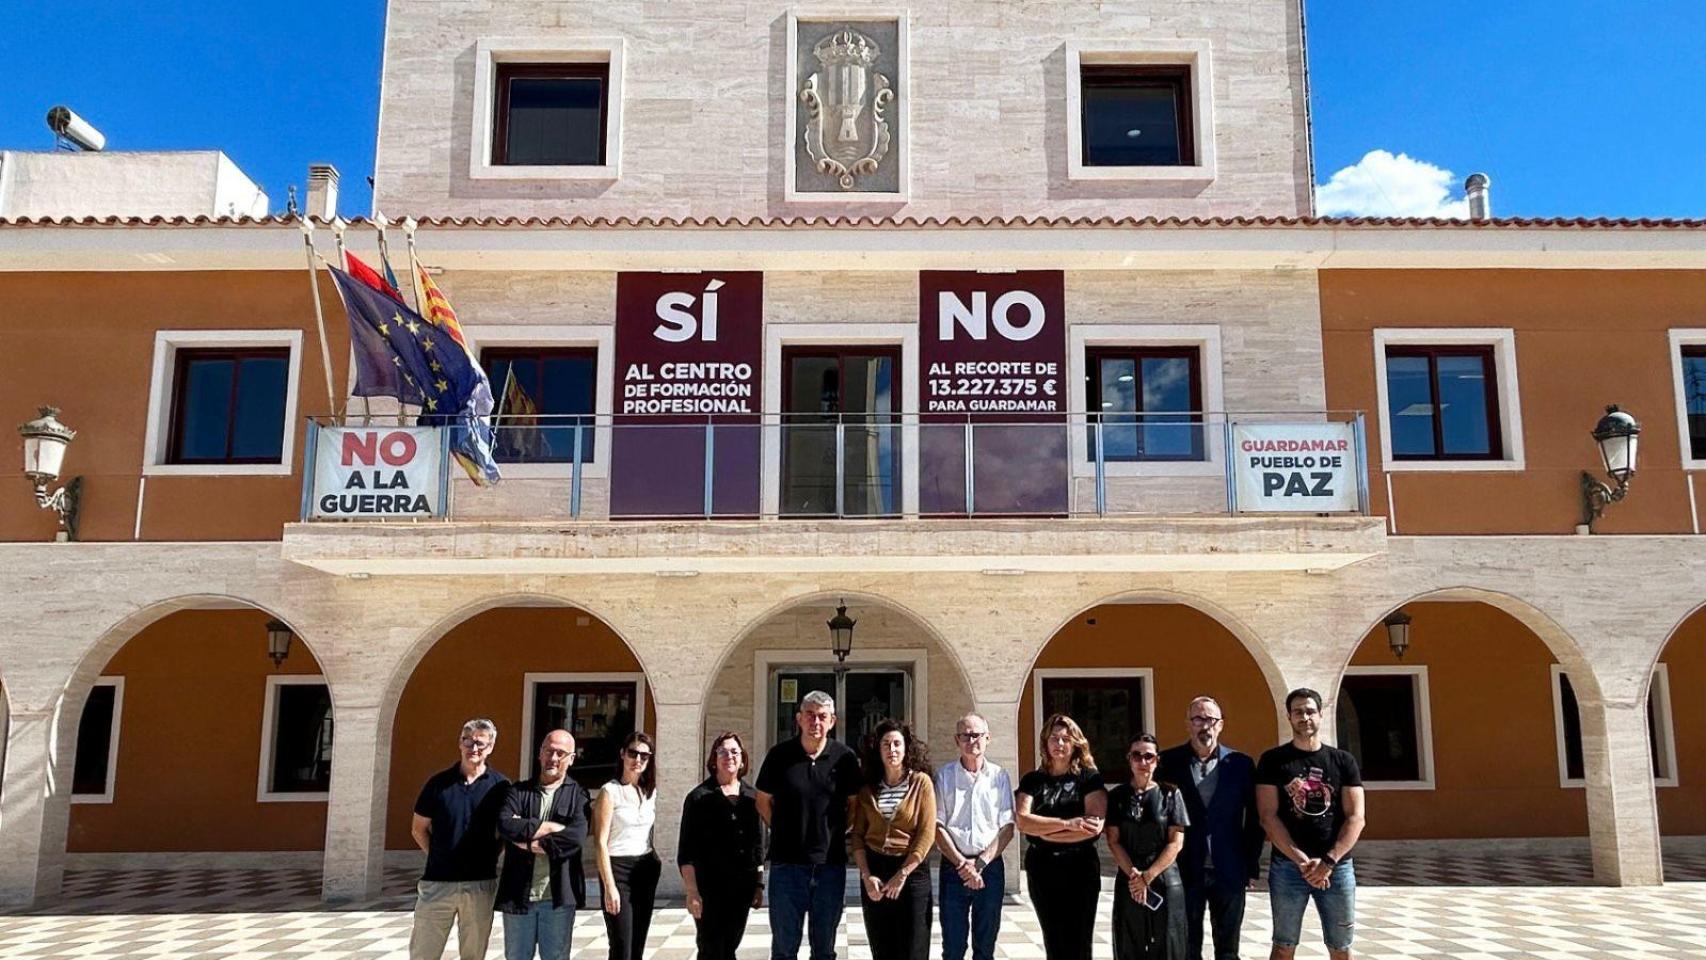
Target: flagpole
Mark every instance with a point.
(338, 225)
(409, 225)
(319, 314)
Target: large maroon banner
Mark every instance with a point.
(689, 352)
(992, 354)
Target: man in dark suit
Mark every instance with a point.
(1222, 851)
(543, 824)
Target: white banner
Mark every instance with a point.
(375, 472)
(1294, 467)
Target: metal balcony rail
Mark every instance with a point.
(846, 465)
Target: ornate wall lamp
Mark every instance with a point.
(45, 440)
(278, 642)
(1397, 625)
(1617, 434)
(841, 633)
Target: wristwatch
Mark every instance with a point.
(1329, 860)
(978, 863)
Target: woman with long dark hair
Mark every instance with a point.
(1146, 831)
(628, 868)
(722, 850)
(1060, 807)
(893, 827)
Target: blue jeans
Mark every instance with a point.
(798, 892)
(1289, 894)
(542, 927)
(976, 913)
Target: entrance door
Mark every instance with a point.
(853, 389)
(1108, 709)
(600, 714)
(863, 695)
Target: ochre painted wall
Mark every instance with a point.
(1191, 655)
(477, 670)
(1583, 339)
(190, 743)
(89, 343)
(1682, 808)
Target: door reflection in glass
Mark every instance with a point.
(853, 389)
(863, 697)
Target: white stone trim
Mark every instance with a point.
(491, 51)
(601, 337)
(264, 792)
(1204, 336)
(1421, 702)
(1658, 694)
(1194, 54)
(915, 660)
(117, 683)
(529, 745)
(157, 436)
(780, 335)
(1503, 342)
(1684, 337)
(1039, 674)
(902, 114)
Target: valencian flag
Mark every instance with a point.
(518, 418)
(399, 354)
(439, 313)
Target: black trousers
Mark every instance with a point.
(899, 929)
(1064, 884)
(637, 884)
(1225, 905)
(722, 923)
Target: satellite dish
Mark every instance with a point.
(74, 132)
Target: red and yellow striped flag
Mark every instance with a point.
(437, 309)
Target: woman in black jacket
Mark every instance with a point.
(722, 850)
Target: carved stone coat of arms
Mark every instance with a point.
(847, 132)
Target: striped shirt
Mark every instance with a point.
(888, 798)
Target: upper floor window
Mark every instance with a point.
(228, 406)
(1694, 399)
(1442, 403)
(1149, 400)
(541, 394)
(553, 114)
(1137, 115)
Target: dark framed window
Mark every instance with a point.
(1137, 115)
(1149, 401)
(92, 769)
(551, 114)
(1110, 711)
(541, 394)
(1379, 722)
(301, 738)
(1570, 716)
(1442, 403)
(228, 405)
(599, 713)
(1694, 399)
(856, 388)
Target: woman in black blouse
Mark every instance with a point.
(1146, 831)
(722, 850)
(1060, 807)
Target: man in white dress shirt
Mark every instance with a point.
(974, 817)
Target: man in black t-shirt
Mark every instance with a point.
(805, 788)
(1310, 799)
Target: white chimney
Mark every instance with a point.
(322, 192)
(1477, 189)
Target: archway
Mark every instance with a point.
(1677, 724)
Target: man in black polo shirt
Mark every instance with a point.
(805, 789)
(456, 826)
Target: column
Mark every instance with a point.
(1623, 816)
(681, 765)
(354, 865)
(35, 808)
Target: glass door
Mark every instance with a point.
(1108, 709)
(853, 389)
(863, 695)
(600, 714)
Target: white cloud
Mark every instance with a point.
(1383, 185)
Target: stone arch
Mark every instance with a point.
(1680, 723)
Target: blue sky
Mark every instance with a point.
(1575, 108)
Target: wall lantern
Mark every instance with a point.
(45, 440)
(1617, 435)
(1397, 625)
(841, 633)
(278, 641)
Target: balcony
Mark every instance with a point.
(842, 492)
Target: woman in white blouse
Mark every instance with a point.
(622, 815)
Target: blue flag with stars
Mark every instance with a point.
(400, 354)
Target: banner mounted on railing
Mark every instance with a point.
(1295, 467)
(992, 353)
(366, 473)
(689, 350)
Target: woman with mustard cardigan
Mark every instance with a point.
(892, 829)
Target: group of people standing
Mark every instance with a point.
(1184, 828)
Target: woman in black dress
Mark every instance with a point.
(1059, 809)
(1146, 831)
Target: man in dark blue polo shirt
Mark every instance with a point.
(455, 825)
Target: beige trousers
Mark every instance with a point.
(468, 904)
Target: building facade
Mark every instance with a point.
(994, 323)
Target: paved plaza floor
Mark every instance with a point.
(1410, 904)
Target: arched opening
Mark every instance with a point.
(1677, 724)
(529, 667)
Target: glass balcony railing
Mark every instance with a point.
(834, 466)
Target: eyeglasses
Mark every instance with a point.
(728, 751)
(1205, 721)
(569, 755)
(473, 744)
(641, 755)
(969, 737)
(1144, 757)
